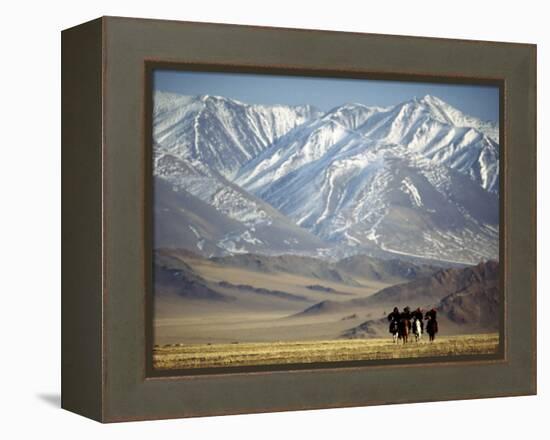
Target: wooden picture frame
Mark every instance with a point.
(106, 214)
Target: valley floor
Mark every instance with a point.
(188, 356)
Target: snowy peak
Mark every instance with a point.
(435, 102)
(220, 132)
(433, 109)
(351, 116)
(427, 126)
(307, 143)
(441, 133)
(438, 109)
(448, 114)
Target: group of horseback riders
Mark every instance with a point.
(405, 322)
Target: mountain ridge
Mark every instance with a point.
(418, 179)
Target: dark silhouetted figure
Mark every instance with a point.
(407, 316)
(417, 323)
(417, 315)
(431, 326)
(404, 326)
(393, 317)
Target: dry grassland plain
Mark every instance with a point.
(189, 356)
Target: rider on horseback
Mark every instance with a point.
(417, 316)
(406, 315)
(393, 317)
(431, 326)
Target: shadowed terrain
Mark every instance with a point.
(250, 298)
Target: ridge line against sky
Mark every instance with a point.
(326, 93)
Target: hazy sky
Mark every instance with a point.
(326, 93)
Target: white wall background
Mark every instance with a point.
(30, 218)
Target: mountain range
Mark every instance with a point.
(273, 298)
(417, 180)
(464, 298)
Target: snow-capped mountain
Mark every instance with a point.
(370, 194)
(427, 126)
(419, 178)
(198, 141)
(442, 133)
(198, 209)
(308, 143)
(219, 132)
(433, 128)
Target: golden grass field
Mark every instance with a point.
(185, 356)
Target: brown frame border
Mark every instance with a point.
(103, 307)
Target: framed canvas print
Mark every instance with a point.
(262, 219)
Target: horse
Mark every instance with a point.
(431, 328)
(417, 329)
(403, 329)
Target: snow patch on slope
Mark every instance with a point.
(409, 188)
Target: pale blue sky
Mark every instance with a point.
(326, 93)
